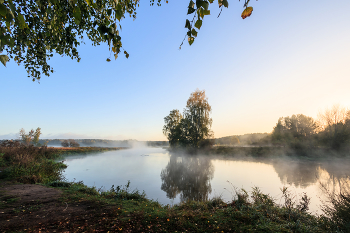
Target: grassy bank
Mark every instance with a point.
(82, 150)
(126, 210)
(29, 164)
(121, 209)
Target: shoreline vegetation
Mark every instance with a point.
(87, 209)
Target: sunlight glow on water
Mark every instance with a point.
(171, 178)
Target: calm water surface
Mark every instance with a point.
(172, 178)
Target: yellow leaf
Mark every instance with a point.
(247, 12)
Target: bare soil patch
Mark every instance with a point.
(29, 207)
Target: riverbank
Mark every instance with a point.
(76, 208)
(55, 205)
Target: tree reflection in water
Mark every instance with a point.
(304, 173)
(188, 176)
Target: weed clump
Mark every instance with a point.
(123, 193)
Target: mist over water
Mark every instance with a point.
(174, 177)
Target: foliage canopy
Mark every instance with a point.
(32, 31)
(193, 127)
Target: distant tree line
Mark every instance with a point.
(242, 140)
(331, 130)
(105, 142)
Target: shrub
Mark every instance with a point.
(337, 209)
(65, 143)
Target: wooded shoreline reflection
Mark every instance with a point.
(190, 176)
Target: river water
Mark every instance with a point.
(172, 178)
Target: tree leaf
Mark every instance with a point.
(3, 10)
(77, 15)
(9, 17)
(108, 60)
(225, 3)
(119, 12)
(190, 10)
(201, 3)
(188, 24)
(4, 59)
(126, 54)
(191, 4)
(247, 12)
(22, 23)
(194, 32)
(190, 40)
(206, 12)
(198, 24)
(12, 7)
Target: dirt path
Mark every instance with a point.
(27, 207)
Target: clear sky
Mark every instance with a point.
(289, 57)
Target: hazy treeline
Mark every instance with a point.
(102, 142)
(105, 142)
(242, 140)
(331, 130)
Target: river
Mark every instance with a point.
(172, 178)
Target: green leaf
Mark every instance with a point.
(201, 3)
(9, 17)
(108, 60)
(4, 59)
(198, 24)
(189, 33)
(190, 10)
(3, 10)
(119, 12)
(12, 7)
(22, 23)
(190, 40)
(247, 12)
(206, 12)
(188, 24)
(225, 3)
(203, 12)
(194, 32)
(77, 15)
(102, 29)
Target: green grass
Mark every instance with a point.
(247, 213)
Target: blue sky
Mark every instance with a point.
(289, 57)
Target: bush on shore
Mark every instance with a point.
(29, 164)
